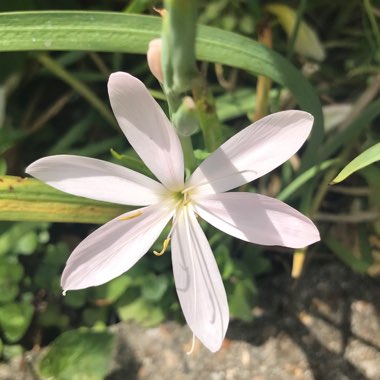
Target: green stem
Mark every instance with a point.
(293, 37)
(82, 89)
(179, 27)
(188, 153)
(208, 120)
(329, 176)
(372, 21)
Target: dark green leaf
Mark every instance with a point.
(78, 355)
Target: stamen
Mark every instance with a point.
(131, 216)
(192, 346)
(186, 199)
(164, 247)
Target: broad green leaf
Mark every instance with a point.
(111, 291)
(364, 159)
(78, 355)
(154, 286)
(139, 310)
(15, 319)
(31, 200)
(117, 32)
(11, 273)
(27, 243)
(15, 238)
(241, 300)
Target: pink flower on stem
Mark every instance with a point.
(116, 246)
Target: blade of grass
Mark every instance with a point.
(26, 199)
(117, 32)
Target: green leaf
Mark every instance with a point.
(139, 310)
(237, 103)
(11, 273)
(95, 315)
(52, 316)
(356, 263)
(11, 351)
(111, 291)
(154, 286)
(3, 166)
(117, 32)
(241, 300)
(364, 159)
(78, 355)
(306, 176)
(132, 161)
(27, 243)
(76, 299)
(30, 200)
(15, 319)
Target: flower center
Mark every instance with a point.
(182, 199)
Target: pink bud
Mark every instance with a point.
(154, 59)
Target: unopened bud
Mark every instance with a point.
(185, 119)
(154, 59)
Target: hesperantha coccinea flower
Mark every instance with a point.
(116, 246)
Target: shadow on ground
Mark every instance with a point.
(326, 326)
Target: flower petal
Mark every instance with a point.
(257, 219)
(115, 247)
(96, 179)
(253, 152)
(198, 282)
(147, 129)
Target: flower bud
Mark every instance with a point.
(154, 59)
(185, 119)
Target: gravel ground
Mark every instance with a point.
(326, 326)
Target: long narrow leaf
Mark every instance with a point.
(27, 199)
(118, 32)
(364, 159)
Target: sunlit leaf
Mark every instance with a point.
(364, 159)
(78, 355)
(30, 200)
(117, 32)
(15, 319)
(307, 42)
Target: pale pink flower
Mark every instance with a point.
(118, 245)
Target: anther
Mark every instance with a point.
(186, 199)
(164, 247)
(131, 216)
